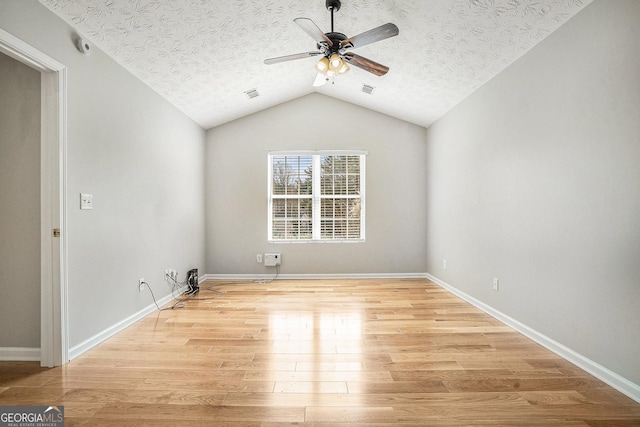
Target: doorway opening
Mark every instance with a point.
(54, 331)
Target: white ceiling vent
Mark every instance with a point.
(252, 93)
(367, 89)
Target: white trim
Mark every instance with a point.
(19, 354)
(313, 242)
(88, 344)
(318, 152)
(616, 381)
(346, 276)
(53, 300)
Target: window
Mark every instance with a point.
(316, 196)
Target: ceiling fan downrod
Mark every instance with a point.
(333, 6)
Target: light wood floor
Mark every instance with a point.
(322, 353)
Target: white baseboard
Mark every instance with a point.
(111, 331)
(20, 354)
(616, 381)
(259, 277)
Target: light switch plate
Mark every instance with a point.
(86, 201)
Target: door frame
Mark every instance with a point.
(54, 328)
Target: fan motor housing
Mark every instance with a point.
(336, 39)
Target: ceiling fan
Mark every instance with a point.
(335, 48)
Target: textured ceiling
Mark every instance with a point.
(202, 55)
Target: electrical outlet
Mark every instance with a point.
(259, 258)
(141, 284)
(496, 284)
(444, 264)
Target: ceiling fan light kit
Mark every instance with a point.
(323, 65)
(334, 48)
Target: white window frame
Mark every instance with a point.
(316, 195)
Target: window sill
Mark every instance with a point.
(316, 241)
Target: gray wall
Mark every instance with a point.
(19, 204)
(237, 189)
(535, 180)
(143, 161)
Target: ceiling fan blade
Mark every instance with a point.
(291, 57)
(312, 29)
(379, 33)
(366, 64)
(320, 80)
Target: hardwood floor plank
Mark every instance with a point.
(31, 395)
(201, 412)
(395, 387)
(309, 376)
(81, 410)
(175, 397)
(229, 384)
(563, 397)
(548, 384)
(393, 352)
(345, 415)
(310, 387)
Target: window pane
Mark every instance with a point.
(278, 208)
(306, 230)
(340, 208)
(354, 229)
(292, 208)
(340, 184)
(293, 229)
(353, 164)
(354, 208)
(326, 183)
(278, 174)
(306, 209)
(326, 208)
(291, 174)
(278, 230)
(326, 229)
(340, 229)
(340, 166)
(353, 184)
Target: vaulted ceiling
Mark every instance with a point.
(203, 55)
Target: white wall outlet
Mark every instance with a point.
(141, 284)
(271, 260)
(444, 264)
(496, 284)
(259, 258)
(86, 201)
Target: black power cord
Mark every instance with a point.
(183, 287)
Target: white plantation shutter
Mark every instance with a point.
(316, 196)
